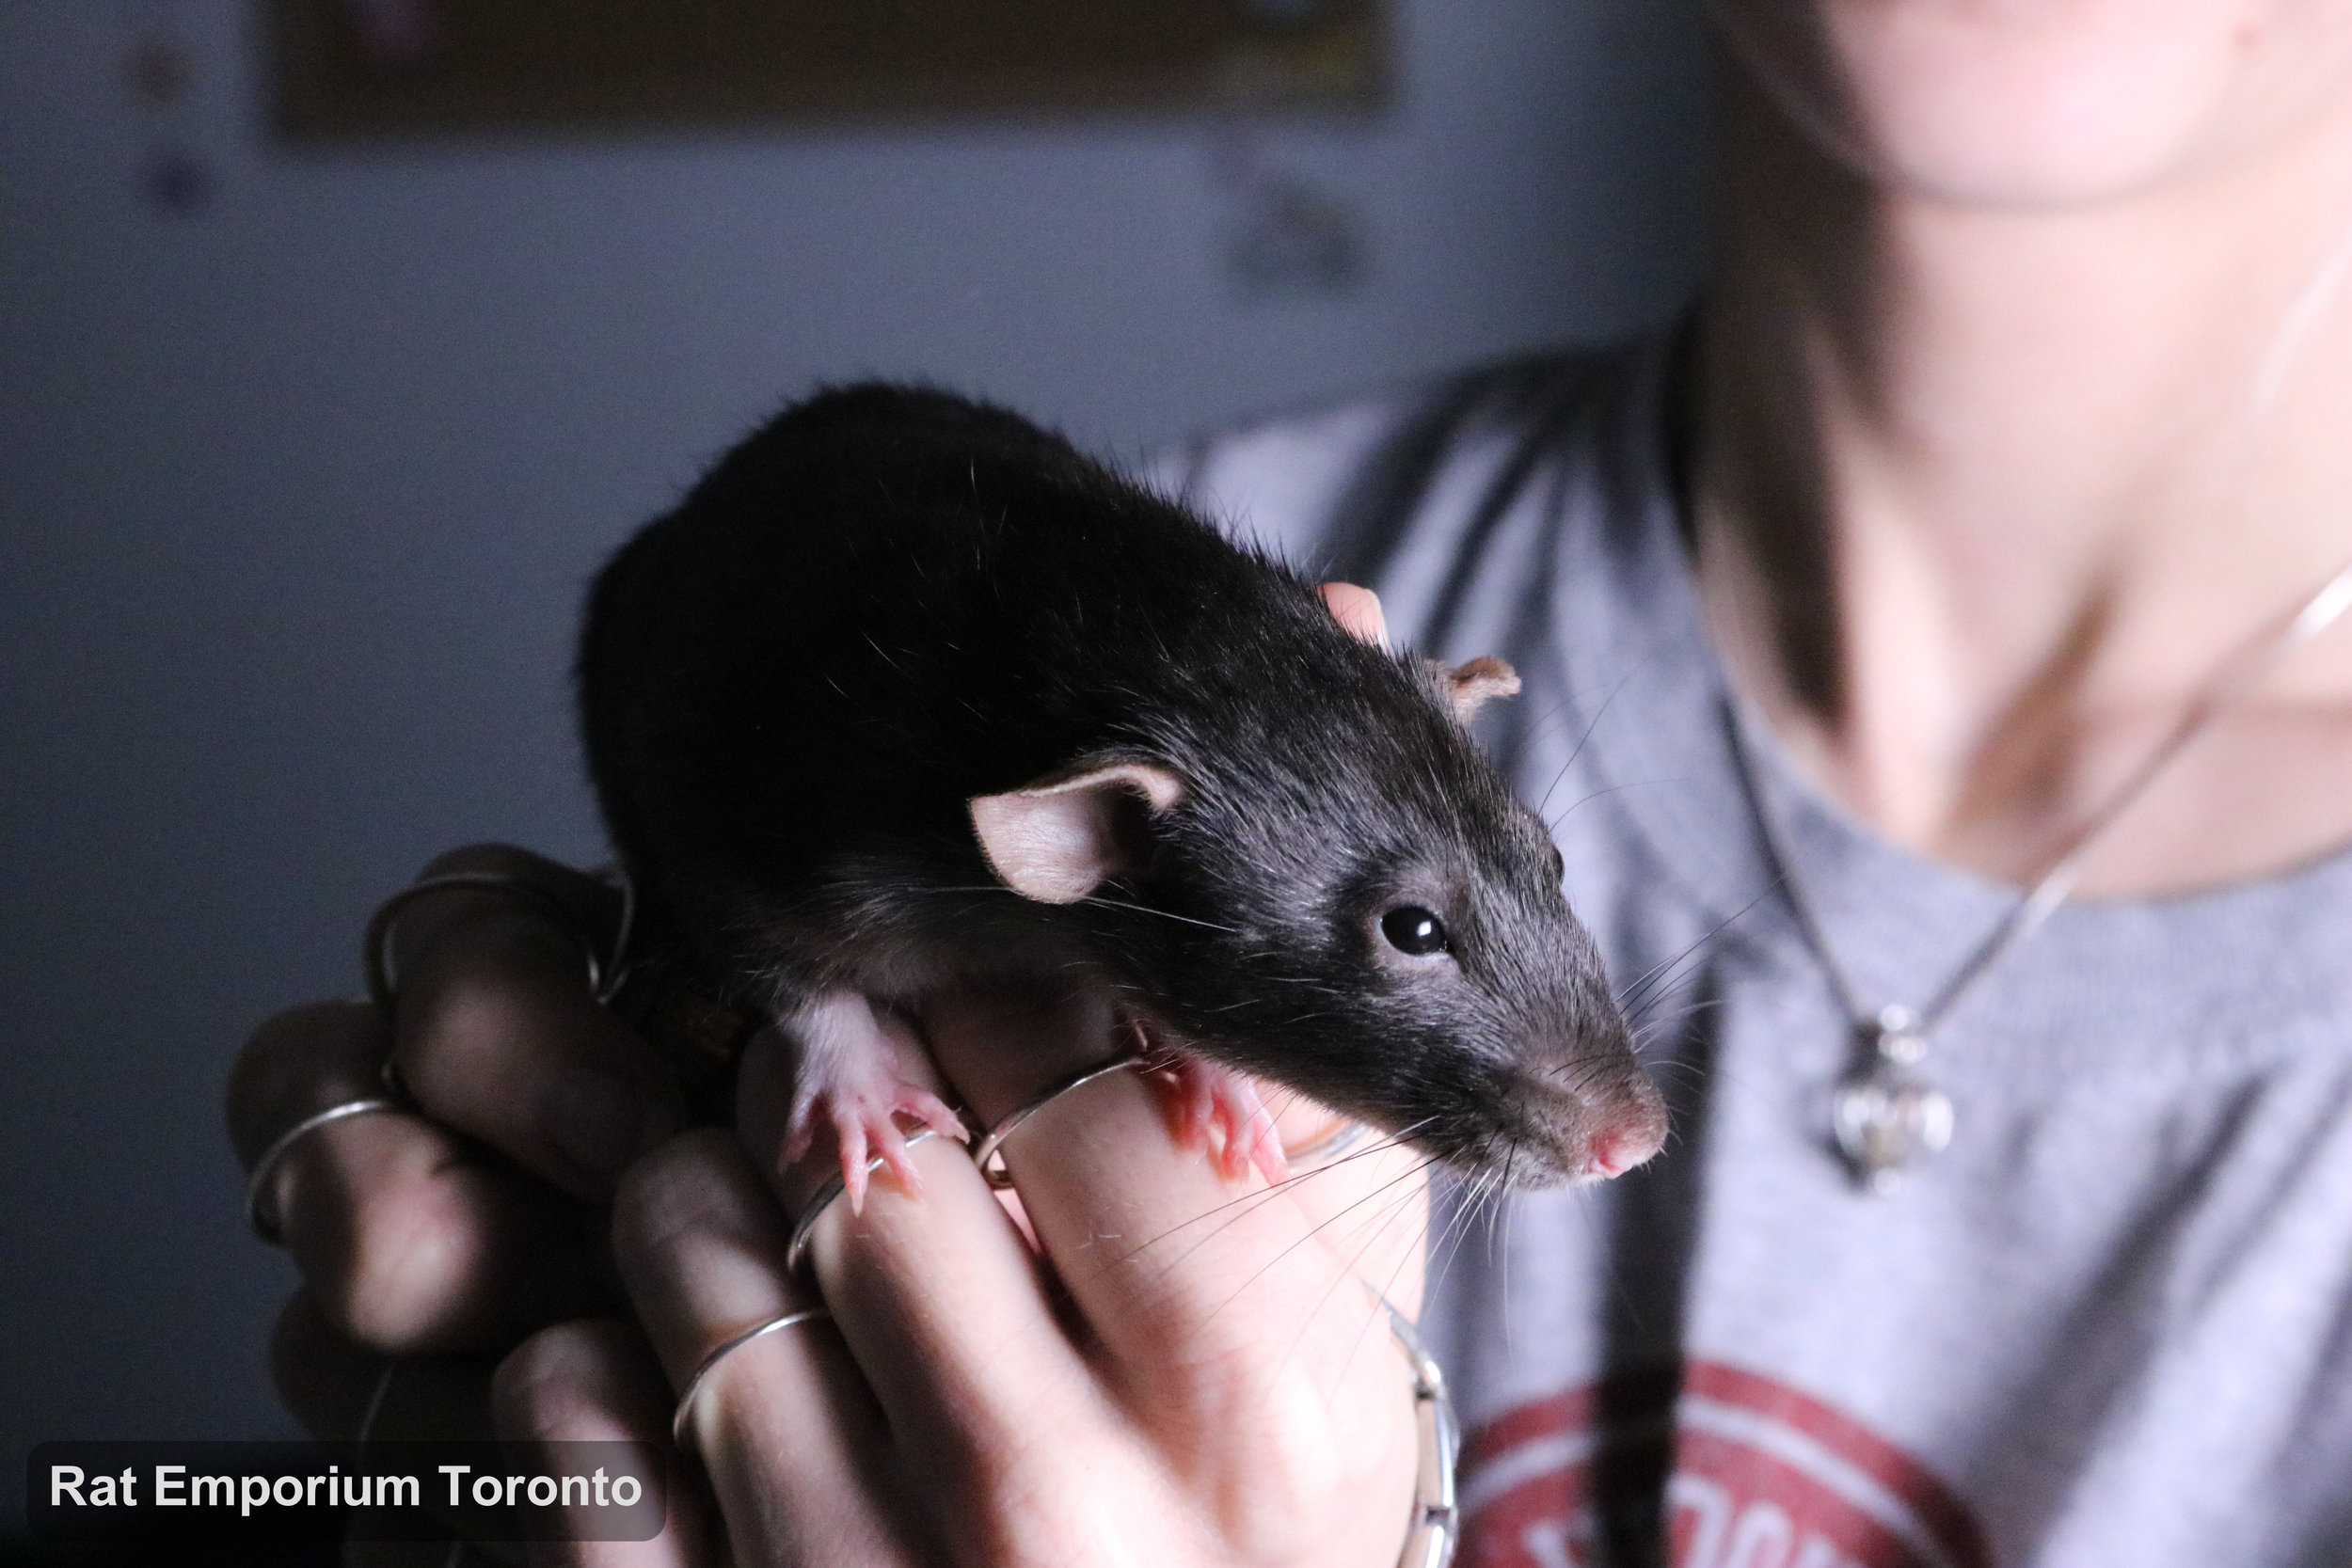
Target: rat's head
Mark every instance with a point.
(1328, 886)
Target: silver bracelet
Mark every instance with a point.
(1435, 1528)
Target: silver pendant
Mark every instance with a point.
(1885, 1115)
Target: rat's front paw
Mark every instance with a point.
(870, 1123)
(1219, 1113)
(849, 1079)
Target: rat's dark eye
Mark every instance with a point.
(1413, 929)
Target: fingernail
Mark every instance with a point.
(600, 1122)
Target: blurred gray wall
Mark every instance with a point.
(297, 493)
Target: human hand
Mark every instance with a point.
(434, 1237)
(1183, 1369)
(427, 1252)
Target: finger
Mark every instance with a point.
(597, 1382)
(936, 1292)
(328, 1381)
(1226, 1315)
(299, 1063)
(499, 1035)
(796, 1449)
(412, 1239)
(1348, 1180)
(1175, 1266)
(343, 1392)
(420, 1554)
(1358, 610)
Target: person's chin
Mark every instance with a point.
(2032, 107)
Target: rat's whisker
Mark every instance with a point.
(1599, 713)
(1248, 1203)
(1631, 1000)
(1405, 1179)
(1164, 914)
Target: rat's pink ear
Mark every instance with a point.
(1477, 682)
(1058, 839)
(1356, 609)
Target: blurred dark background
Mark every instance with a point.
(307, 448)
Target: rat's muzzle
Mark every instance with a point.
(1555, 1131)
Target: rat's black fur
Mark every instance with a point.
(888, 601)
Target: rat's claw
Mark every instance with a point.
(1219, 1113)
(891, 1147)
(1250, 1137)
(851, 1131)
(1198, 1105)
(930, 1111)
(849, 1076)
(799, 1128)
(868, 1128)
(1265, 1150)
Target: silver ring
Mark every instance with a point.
(606, 971)
(806, 1226)
(264, 1222)
(1436, 1527)
(375, 1406)
(724, 1349)
(1322, 1150)
(988, 1156)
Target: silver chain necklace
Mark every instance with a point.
(1886, 1113)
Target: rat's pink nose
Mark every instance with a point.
(1618, 1149)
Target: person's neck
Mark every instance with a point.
(1987, 498)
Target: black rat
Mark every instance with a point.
(908, 690)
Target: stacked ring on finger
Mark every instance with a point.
(258, 1214)
(720, 1352)
(1328, 1148)
(607, 970)
(986, 1154)
(806, 1226)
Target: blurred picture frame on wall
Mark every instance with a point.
(372, 67)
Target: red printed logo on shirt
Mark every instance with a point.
(1755, 1474)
